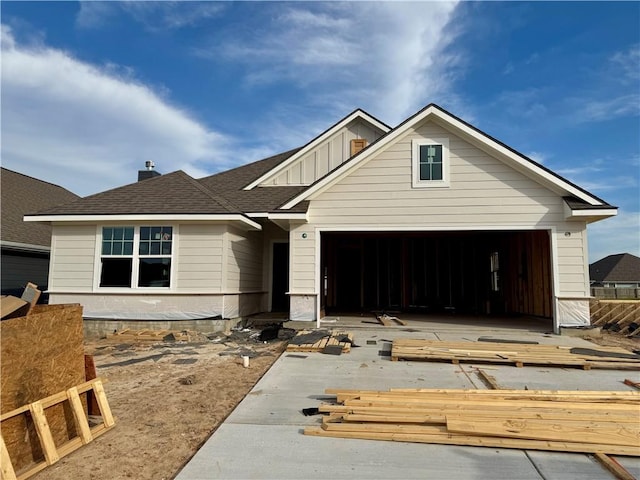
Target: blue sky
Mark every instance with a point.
(90, 90)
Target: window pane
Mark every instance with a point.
(156, 233)
(128, 233)
(425, 171)
(154, 272)
(167, 233)
(116, 249)
(107, 233)
(436, 171)
(155, 248)
(106, 248)
(127, 248)
(116, 272)
(144, 248)
(144, 233)
(118, 233)
(166, 248)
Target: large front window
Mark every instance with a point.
(136, 256)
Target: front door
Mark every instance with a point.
(280, 279)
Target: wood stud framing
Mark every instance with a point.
(52, 453)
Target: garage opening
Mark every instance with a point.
(491, 273)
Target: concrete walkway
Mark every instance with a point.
(262, 438)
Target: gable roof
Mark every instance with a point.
(173, 195)
(622, 267)
(231, 185)
(468, 132)
(22, 194)
(356, 114)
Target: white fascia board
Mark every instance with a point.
(300, 217)
(145, 218)
(585, 213)
(314, 143)
(25, 247)
(346, 167)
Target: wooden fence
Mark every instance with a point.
(621, 316)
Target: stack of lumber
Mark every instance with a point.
(567, 421)
(618, 316)
(317, 341)
(148, 335)
(517, 354)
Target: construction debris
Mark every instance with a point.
(553, 420)
(515, 354)
(388, 321)
(319, 340)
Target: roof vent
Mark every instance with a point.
(149, 171)
(357, 144)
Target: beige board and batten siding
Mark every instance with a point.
(325, 157)
(73, 250)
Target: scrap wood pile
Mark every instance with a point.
(517, 354)
(567, 421)
(326, 341)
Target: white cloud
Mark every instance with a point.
(382, 56)
(618, 234)
(61, 115)
(599, 110)
(628, 62)
(153, 15)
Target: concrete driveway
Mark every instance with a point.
(262, 438)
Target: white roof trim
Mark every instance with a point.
(436, 112)
(288, 216)
(583, 213)
(145, 217)
(316, 141)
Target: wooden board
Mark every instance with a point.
(318, 346)
(570, 421)
(511, 354)
(42, 353)
(53, 450)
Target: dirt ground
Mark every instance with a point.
(168, 398)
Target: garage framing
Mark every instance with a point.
(437, 271)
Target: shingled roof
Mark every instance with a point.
(174, 193)
(179, 193)
(260, 199)
(622, 267)
(22, 194)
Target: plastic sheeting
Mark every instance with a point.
(573, 313)
(156, 315)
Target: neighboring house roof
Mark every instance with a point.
(22, 194)
(470, 133)
(622, 267)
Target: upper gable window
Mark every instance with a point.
(430, 162)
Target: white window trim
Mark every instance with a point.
(136, 257)
(415, 167)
